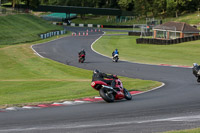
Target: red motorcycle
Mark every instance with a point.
(110, 94)
(81, 58)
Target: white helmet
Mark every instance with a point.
(195, 64)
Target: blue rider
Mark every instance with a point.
(115, 52)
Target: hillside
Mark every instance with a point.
(21, 28)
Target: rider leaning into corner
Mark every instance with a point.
(99, 76)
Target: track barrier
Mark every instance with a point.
(52, 33)
(166, 42)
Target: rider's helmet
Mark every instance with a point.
(195, 64)
(115, 76)
(96, 71)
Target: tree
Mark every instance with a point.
(125, 4)
(141, 7)
(177, 6)
(157, 7)
(14, 2)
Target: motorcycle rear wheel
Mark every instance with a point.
(127, 94)
(81, 60)
(107, 95)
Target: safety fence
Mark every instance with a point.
(52, 33)
(166, 42)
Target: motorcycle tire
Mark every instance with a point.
(115, 59)
(108, 97)
(81, 60)
(127, 94)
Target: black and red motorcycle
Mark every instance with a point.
(81, 58)
(110, 94)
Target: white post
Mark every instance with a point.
(175, 32)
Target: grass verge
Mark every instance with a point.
(195, 130)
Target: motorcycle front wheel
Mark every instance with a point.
(107, 95)
(127, 94)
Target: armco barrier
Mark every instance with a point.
(52, 33)
(166, 42)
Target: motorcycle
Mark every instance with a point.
(81, 58)
(110, 94)
(115, 58)
(196, 71)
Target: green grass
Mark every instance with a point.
(190, 18)
(177, 54)
(22, 28)
(26, 78)
(195, 130)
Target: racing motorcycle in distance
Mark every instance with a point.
(81, 58)
(115, 58)
(196, 72)
(110, 94)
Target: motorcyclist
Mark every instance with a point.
(196, 68)
(99, 76)
(82, 52)
(115, 52)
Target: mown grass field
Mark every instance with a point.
(28, 79)
(22, 28)
(177, 54)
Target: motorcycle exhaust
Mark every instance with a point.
(109, 87)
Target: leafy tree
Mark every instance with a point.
(177, 6)
(125, 4)
(141, 7)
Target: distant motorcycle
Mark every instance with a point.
(108, 93)
(115, 58)
(81, 58)
(196, 71)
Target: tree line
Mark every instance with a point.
(140, 7)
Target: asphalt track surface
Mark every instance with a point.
(173, 106)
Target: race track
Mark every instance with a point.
(174, 106)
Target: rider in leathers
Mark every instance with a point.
(82, 52)
(99, 76)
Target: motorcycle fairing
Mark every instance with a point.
(98, 84)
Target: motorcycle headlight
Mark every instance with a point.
(93, 84)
